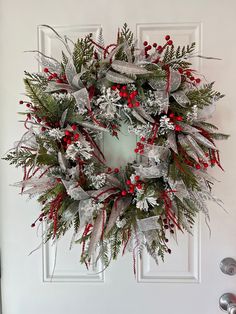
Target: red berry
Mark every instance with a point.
(130, 105)
(121, 94)
(123, 193)
(198, 80)
(132, 96)
(116, 170)
(136, 178)
(128, 182)
(113, 87)
(171, 115)
(21, 102)
(139, 186)
(170, 42)
(188, 73)
(135, 92)
(145, 43)
(28, 105)
(33, 225)
(154, 45)
(74, 127)
(124, 87)
(45, 70)
(198, 166)
(213, 161)
(125, 95)
(181, 71)
(167, 37)
(205, 165)
(50, 77)
(192, 78)
(136, 150)
(28, 115)
(178, 128)
(76, 137)
(109, 169)
(143, 139)
(43, 129)
(67, 133)
(137, 104)
(159, 48)
(149, 47)
(179, 118)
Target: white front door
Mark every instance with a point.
(190, 280)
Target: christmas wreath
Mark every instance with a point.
(95, 89)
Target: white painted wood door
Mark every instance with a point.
(190, 281)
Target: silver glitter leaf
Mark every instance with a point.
(70, 72)
(144, 114)
(175, 80)
(85, 212)
(155, 171)
(188, 128)
(162, 99)
(96, 232)
(118, 78)
(203, 140)
(62, 161)
(63, 118)
(128, 68)
(150, 223)
(180, 98)
(196, 147)
(113, 181)
(206, 112)
(49, 63)
(82, 99)
(92, 126)
(185, 144)
(74, 190)
(54, 87)
(137, 116)
(171, 139)
(157, 84)
(118, 207)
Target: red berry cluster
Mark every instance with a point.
(61, 78)
(130, 96)
(131, 186)
(70, 136)
(175, 119)
(189, 75)
(159, 48)
(40, 218)
(139, 148)
(202, 164)
(168, 225)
